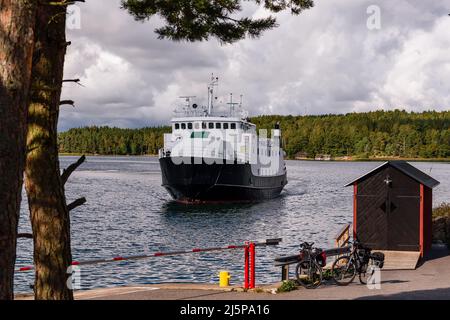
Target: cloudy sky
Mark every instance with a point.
(326, 60)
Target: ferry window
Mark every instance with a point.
(203, 125)
(201, 135)
(218, 125)
(177, 126)
(225, 125)
(190, 125)
(211, 125)
(233, 126)
(183, 126)
(196, 125)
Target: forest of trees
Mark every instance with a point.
(112, 141)
(364, 135)
(373, 134)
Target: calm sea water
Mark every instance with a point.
(129, 213)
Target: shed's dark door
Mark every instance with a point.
(402, 212)
(388, 211)
(371, 222)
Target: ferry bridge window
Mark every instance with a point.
(203, 125)
(211, 125)
(233, 126)
(190, 125)
(200, 135)
(225, 125)
(177, 126)
(196, 125)
(183, 126)
(218, 125)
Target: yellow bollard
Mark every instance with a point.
(224, 279)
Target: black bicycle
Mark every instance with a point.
(309, 269)
(361, 260)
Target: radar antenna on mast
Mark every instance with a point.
(188, 103)
(232, 104)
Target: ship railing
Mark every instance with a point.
(190, 113)
(218, 111)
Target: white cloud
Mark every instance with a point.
(419, 77)
(113, 88)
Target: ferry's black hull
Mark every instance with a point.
(205, 182)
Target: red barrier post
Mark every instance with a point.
(246, 266)
(252, 265)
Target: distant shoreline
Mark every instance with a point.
(338, 159)
(66, 154)
(375, 159)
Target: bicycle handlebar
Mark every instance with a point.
(307, 245)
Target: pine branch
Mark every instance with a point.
(199, 20)
(70, 169)
(63, 3)
(68, 102)
(77, 81)
(76, 203)
(71, 80)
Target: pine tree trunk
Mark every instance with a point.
(16, 49)
(48, 209)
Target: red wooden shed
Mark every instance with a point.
(392, 208)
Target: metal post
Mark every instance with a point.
(285, 272)
(246, 266)
(252, 265)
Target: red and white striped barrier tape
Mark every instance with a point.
(267, 242)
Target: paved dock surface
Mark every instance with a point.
(431, 280)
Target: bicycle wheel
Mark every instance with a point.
(309, 274)
(343, 271)
(367, 274)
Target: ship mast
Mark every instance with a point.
(232, 105)
(214, 83)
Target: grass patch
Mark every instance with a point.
(327, 274)
(443, 210)
(287, 285)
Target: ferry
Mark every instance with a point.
(218, 156)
